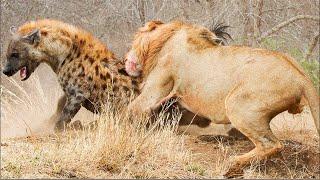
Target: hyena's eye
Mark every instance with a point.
(15, 55)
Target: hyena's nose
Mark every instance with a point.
(7, 72)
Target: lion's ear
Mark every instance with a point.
(150, 26)
(33, 37)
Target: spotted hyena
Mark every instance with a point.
(87, 71)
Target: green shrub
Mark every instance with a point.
(273, 44)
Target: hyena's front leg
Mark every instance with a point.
(61, 103)
(72, 106)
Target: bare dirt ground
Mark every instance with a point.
(295, 161)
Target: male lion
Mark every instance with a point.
(243, 86)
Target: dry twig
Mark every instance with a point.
(311, 47)
(284, 24)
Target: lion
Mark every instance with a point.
(240, 85)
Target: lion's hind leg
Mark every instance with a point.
(252, 118)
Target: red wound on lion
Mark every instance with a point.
(131, 65)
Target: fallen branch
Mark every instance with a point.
(311, 47)
(285, 23)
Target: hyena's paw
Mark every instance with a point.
(60, 126)
(76, 125)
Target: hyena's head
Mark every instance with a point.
(23, 54)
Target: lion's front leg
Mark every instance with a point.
(157, 90)
(148, 101)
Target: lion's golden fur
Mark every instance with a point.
(240, 85)
(147, 46)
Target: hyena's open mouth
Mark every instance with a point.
(24, 74)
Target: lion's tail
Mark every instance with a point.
(312, 97)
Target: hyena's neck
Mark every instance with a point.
(53, 62)
(57, 46)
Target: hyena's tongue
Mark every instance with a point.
(23, 72)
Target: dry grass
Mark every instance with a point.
(118, 149)
(114, 149)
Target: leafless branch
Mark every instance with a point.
(141, 10)
(311, 47)
(285, 23)
(278, 9)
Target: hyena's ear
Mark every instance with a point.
(33, 37)
(13, 30)
(149, 26)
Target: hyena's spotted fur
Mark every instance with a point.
(88, 72)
